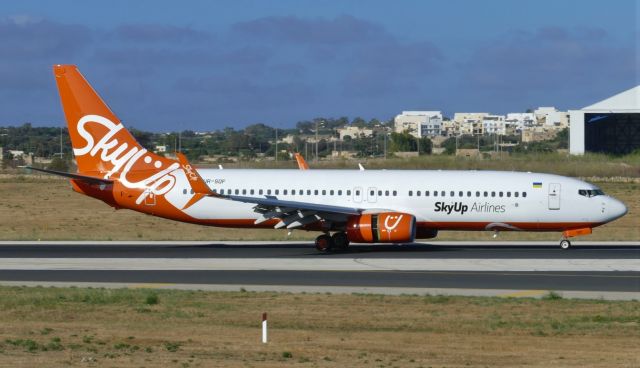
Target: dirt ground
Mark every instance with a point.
(42, 207)
(150, 328)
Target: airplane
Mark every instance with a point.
(345, 206)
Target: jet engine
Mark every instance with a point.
(385, 227)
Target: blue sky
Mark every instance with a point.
(203, 65)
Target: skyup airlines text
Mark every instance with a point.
(462, 208)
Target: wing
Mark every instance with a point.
(295, 214)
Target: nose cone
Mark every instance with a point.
(615, 209)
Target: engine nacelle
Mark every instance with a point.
(386, 227)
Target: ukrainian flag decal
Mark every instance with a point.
(537, 184)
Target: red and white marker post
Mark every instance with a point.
(264, 327)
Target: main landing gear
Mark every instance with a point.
(565, 244)
(326, 243)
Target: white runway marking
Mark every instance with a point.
(336, 264)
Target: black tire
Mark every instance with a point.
(340, 240)
(565, 244)
(324, 243)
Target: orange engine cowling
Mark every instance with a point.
(385, 227)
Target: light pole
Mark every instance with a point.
(316, 140)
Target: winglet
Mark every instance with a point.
(200, 188)
(195, 180)
(302, 164)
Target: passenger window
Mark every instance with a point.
(435, 193)
(418, 193)
(477, 194)
(308, 191)
(315, 191)
(293, 192)
(426, 193)
(508, 194)
(221, 191)
(452, 194)
(469, 194)
(443, 193)
(380, 193)
(524, 194)
(339, 192)
(215, 191)
(251, 191)
(357, 192)
(372, 193)
(493, 194)
(460, 194)
(237, 191)
(486, 194)
(516, 194)
(500, 194)
(349, 192)
(324, 192)
(277, 191)
(260, 191)
(395, 193)
(284, 192)
(184, 191)
(386, 193)
(244, 191)
(268, 191)
(411, 193)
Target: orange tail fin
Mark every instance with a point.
(101, 145)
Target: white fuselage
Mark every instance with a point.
(465, 200)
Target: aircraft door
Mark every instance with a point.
(372, 196)
(357, 194)
(554, 196)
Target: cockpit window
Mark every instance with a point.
(590, 192)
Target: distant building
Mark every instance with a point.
(521, 119)
(550, 116)
(493, 124)
(609, 126)
(539, 133)
(468, 152)
(354, 132)
(161, 149)
(419, 123)
(463, 117)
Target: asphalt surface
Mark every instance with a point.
(584, 280)
(468, 250)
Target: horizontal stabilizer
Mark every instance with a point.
(85, 178)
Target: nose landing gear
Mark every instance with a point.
(565, 243)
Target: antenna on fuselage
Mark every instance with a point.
(360, 167)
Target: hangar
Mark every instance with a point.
(609, 126)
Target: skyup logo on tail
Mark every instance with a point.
(123, 158)
(448, 208)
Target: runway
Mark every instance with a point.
(610, 270)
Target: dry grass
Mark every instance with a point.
(93, 327)
(44, 207)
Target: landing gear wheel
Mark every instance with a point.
(340, 240)
(324, 243)
(565, 244)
